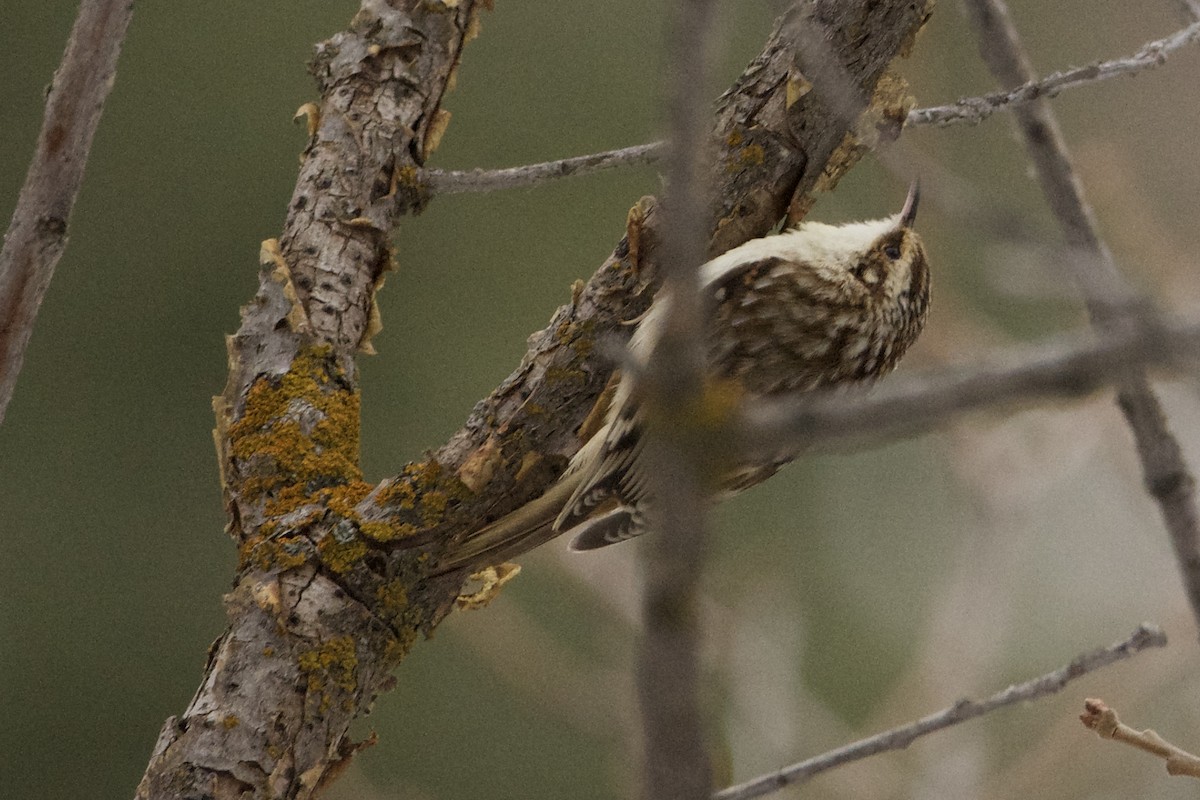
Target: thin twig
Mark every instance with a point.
(37, 234)
(976, 109)
(967, 110)
(1064, 368)
(676, 763)
(1098, 717)
(1144, 637)
(488, 180)
(1164, 470)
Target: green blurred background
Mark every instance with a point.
(852, 592)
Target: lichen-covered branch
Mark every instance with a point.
(301, 658)
(337, 577)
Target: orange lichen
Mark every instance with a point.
(341, 553)
(267, 553)
(386, 531)
(332, 665)
(298, 429)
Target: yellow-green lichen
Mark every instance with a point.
(230, 722)
(752, 155)
(333, 665)
(399, 494)
(393, 600)
(426, 489)
(297, 430)
(564, 375)
(579, 336)
(406, 620)
(433, 507)
(386, 531)
(342, 500)
(271, 553)
(341, 556)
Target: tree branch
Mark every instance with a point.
(1066, 368)
(441, 181)
(972, 110)
(1164, 471)
(676, 764)
(37, 234)
(302, 657)
(1103, 720)
(1144, 637)
(339, 578)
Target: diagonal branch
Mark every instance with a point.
(1164, 471)
(37, 234)
(1146, 636)
(338, 579)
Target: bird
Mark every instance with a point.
(813, 307)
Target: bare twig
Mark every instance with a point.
(1068, 367)
(967, 110)
(898, 738)
(676, 763)
(1164, 470)
(1103, 720)
(488, 180)
(976, 109)
(37, 234)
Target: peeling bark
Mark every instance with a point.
(338, 578)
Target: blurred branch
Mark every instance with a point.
(967, 110)
(1190, 9)
(1103, 720)
(37, 234)
(676, 763)
(1164, 470)
(1144, 637)
(1068, 367)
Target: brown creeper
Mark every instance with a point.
(815, 306)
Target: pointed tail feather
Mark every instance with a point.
(615, 526)
(513, 534)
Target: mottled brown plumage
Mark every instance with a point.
(816, 306)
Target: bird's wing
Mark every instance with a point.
(613, 491)
(609, 465)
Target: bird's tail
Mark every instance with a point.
(515, 533)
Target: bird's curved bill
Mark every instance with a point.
(908, 214)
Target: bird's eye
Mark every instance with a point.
(892, 251)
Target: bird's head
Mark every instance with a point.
(880, 263)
